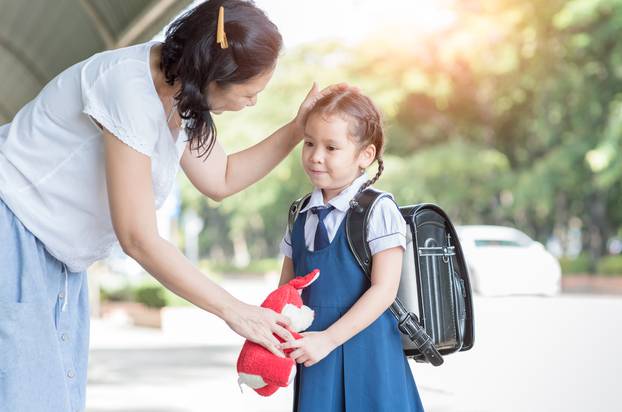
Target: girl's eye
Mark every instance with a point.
(308, 144)
(331, 148)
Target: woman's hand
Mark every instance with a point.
(311, 348)
(258, 324)
(307, 104)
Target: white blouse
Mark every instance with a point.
(386, 227)
(52, 173)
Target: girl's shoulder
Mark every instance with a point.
(386, 205)
(385, 213)
(386, 228)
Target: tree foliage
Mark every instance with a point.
(513, 115)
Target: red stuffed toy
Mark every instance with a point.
(259, 368)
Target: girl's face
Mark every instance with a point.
(330, 157)
(235, 97)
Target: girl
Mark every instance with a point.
(352, 354)
(87, 162)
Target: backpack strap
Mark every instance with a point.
(294, 211)
(357, 219)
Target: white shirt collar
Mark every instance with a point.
(341, 201)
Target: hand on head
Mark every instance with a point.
(312, 97)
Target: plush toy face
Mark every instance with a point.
(301, 317)
(259, 368)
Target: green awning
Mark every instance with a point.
(40, 38)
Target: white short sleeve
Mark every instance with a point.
(386, 227)
(286, 244)
(120, 97)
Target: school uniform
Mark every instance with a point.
(369, 372)
(55, 219)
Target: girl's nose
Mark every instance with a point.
(316, 156)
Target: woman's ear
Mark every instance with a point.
(367, 156)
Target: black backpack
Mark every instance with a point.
(434, 306)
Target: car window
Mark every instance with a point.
(501, 237)
(519, 241)
(494, 242)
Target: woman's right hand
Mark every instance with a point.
(312, 97)
(258, 324)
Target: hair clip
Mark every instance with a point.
(221, 36)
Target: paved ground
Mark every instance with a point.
(531, 354)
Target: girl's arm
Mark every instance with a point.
(287, 271)
(222, 175)
(385, 279)
(131, 201)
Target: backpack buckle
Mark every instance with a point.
(354, 204)
(406, 322)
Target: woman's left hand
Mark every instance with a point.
(258, 325)
(311, 348)
(307, 104)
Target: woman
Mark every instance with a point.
(90, 159)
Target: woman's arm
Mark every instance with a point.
(385, 280)
(222, 175)
(131, 201)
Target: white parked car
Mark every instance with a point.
(505, 261)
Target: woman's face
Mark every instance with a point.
(236, 96)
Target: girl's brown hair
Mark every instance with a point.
(363, 117)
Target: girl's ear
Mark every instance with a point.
(367, 156)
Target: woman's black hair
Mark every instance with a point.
(191, 56)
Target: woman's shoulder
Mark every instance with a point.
(119, 94)
(121, 79)
(128, 65)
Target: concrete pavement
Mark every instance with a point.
(531, 354)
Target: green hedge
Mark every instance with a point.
(150, 293)
(123, 294)
(606, 266)
(254, 267)
(152, 296)
(610, 266)
(579, 264)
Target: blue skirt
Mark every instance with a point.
(369, 372)
(44, 325)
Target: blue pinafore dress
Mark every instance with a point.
(367, 373)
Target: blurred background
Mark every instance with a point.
(505, 113)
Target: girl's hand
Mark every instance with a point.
(311, 348)
(312, 97)
(258, 324)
